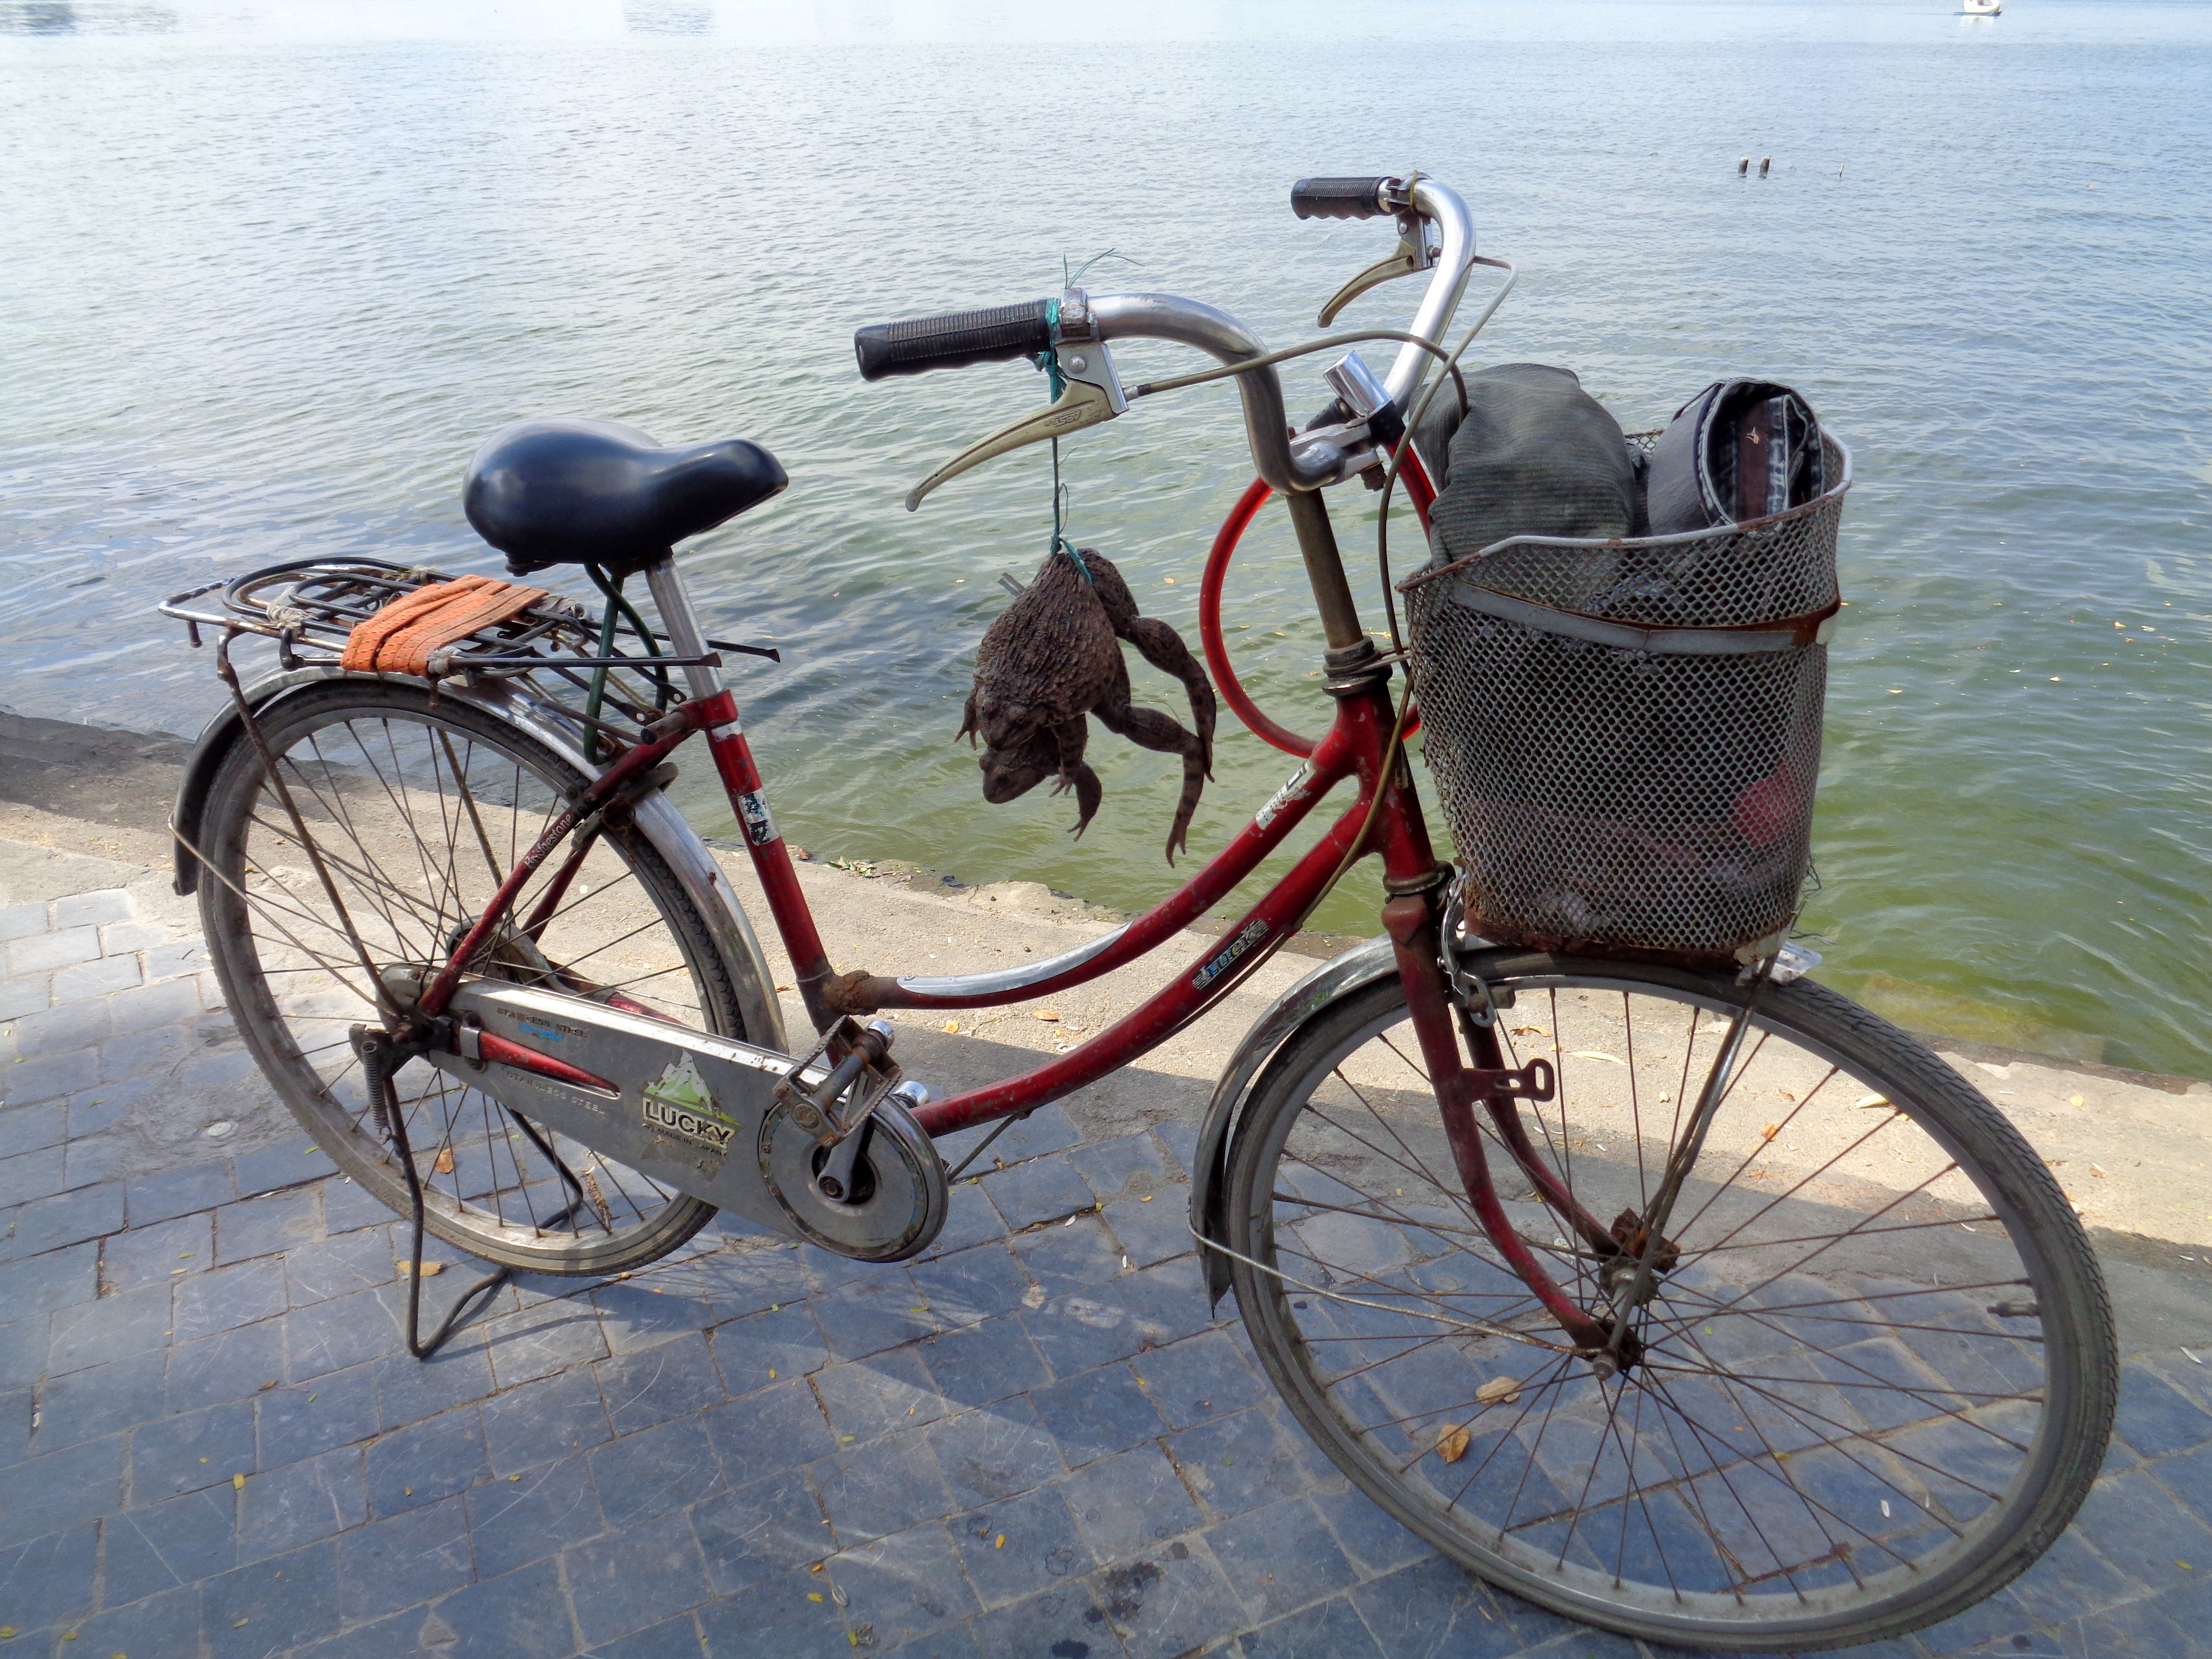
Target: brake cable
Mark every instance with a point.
(1269, 359)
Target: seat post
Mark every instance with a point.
(676, 616)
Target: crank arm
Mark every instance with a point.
(860, 1068)
(1091, 396)
(859, 1063)
(838, 1168)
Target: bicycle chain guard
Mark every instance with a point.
(710, 1116)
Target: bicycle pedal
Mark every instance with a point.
(876, 1191)
(860, 1073)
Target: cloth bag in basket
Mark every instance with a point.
(1624, 727)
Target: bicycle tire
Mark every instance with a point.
(370, 764)
(1931, 1489)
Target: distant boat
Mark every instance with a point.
(1980, 8)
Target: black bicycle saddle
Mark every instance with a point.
(597, 492)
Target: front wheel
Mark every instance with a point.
(1873, 1384)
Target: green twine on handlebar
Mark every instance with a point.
(1060, 542)
(1048, 361)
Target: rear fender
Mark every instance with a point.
(1337, 978)
(704, 881)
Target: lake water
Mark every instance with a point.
(273, 271)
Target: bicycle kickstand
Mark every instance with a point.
(382, 1057)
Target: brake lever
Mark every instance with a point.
(1414, 254)
(1091, 396)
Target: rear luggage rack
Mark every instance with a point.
(554, 648)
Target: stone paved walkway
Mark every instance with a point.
(1032, 1442)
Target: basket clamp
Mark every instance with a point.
(1471, 991)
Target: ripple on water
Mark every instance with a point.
(268, 289)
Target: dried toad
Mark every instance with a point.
(1052, 660)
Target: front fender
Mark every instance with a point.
(670, 835)
(1340, 975)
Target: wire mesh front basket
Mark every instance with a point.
(1626, 735)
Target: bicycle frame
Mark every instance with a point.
(1384, 818)
(1353, 749)
(1363, 743)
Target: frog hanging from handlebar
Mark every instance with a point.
(1052, 660)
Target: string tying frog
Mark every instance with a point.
(1052, 660)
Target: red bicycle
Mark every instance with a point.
(1701, 1304)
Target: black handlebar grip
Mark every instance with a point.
(990, 335)
(1338, 199)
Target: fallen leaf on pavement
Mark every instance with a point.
(1451, 1445)
(1499, 1391)
(444, 1164)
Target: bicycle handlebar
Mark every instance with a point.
(1338, 198)
(1440, 206)
(1001, 332)
(954, 340)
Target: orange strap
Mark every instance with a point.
(399, 638)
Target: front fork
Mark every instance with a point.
(1411, 920)
(1416, 883)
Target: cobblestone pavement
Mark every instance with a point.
(1032, 1442)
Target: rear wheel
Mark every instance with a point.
(416, 808)
(1874, 1386)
